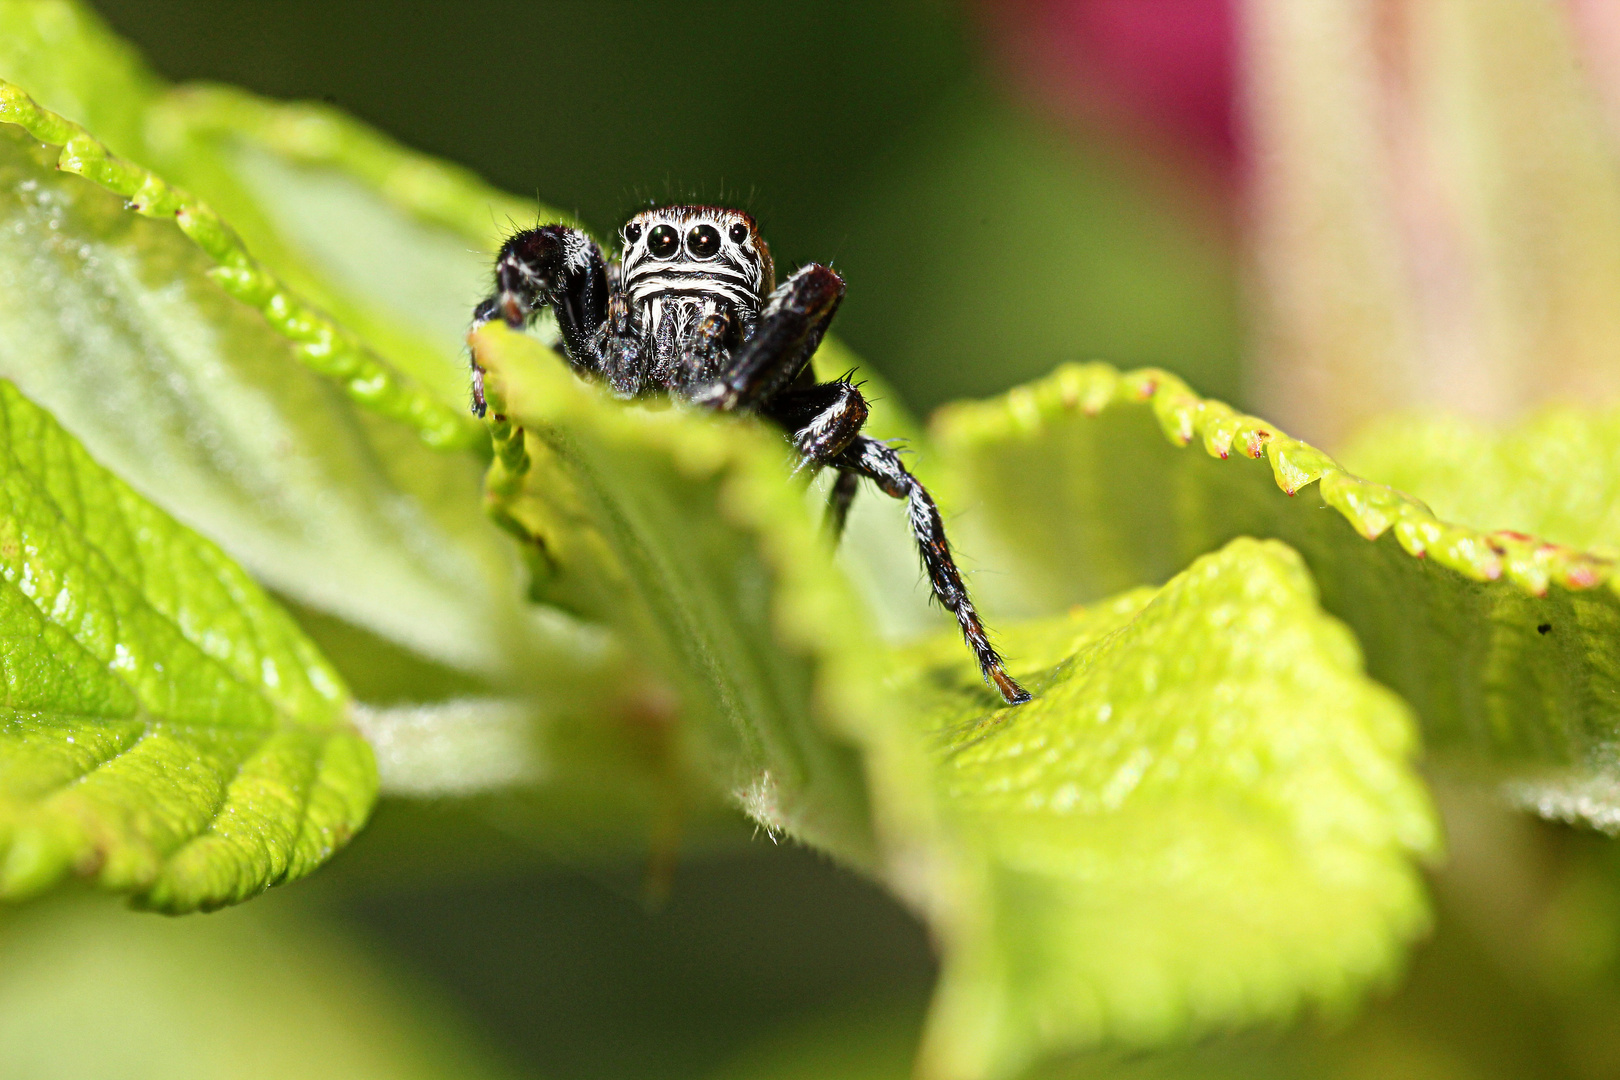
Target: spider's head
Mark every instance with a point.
(691, 241)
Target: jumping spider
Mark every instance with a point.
(691, 307)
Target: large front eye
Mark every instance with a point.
(703, 241)
(663, 242)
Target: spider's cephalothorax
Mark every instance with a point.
(691, 307)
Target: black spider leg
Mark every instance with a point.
(789, 329)
(838, 500)
(552, 265)
(874, 460)
(619, 345)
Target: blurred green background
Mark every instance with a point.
(983, 243)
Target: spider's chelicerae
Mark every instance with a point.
(691, 308)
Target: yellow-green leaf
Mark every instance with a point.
(1207, 818)
(1091, 481)
(685, 535)
(166, 730)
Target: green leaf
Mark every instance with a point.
(69, 59)
(395, 245)
(116, 324)
(683, 534)
(1555, 474)
(1091, 481)
(167, 730)
(320, 344)
(119, 325)
(1207, 818)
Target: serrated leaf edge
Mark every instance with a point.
(38, 863)
(320, 344)
(1527, 562)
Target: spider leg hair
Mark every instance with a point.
(551, 265)
(880, 463)
(821, 420)
(789, 329)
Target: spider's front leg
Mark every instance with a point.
(556, 266)
(822, 421)
(839, 500)
(789, 329)
(872, 459)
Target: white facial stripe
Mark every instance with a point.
(645, 289)
(689, 272)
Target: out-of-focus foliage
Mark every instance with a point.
(1056, 256)
(1435, 199)
(255, 992)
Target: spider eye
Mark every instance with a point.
(739, 233)
(632, 233)
(703, 241)
(663, 242)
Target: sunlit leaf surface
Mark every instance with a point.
(167, 731)
(1207, 817)
(1505, 644)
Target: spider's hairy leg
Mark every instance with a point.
(838, 500)
(874, 460)
(552, 265)
(821, 420)
(789, 329)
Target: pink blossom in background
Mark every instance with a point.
(1158, 70)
